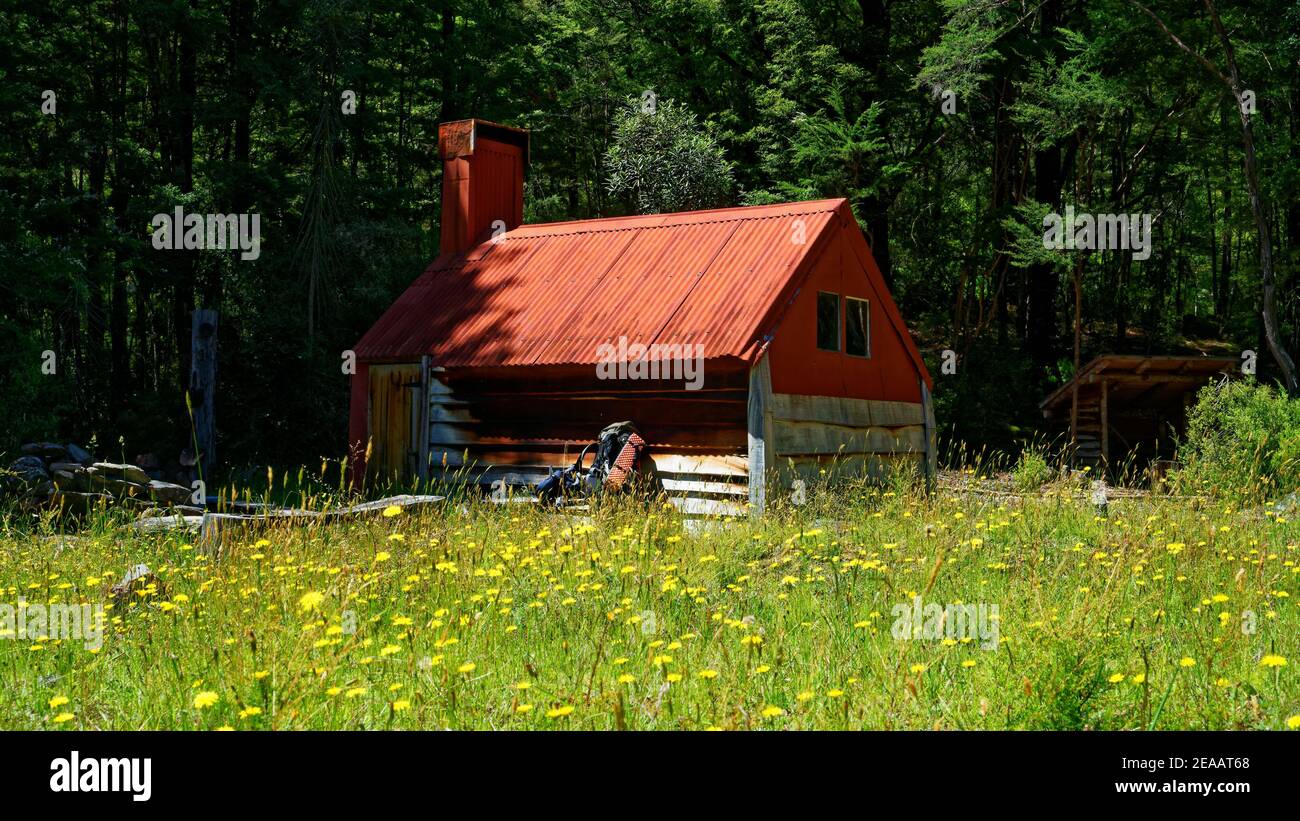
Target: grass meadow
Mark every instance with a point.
(1158, 612)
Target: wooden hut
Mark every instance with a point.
(1131, 406)
(742, 342)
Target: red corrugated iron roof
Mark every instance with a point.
(552, 293)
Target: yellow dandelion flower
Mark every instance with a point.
(772, 711)
(392, 510)
(1273, 661)
(62, 717)
(311, 600)
(58, 701)
(205, 699)
(559, 712)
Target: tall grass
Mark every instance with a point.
(1167, 613)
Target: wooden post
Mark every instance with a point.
(358, 425)
(203, 384)
(1105, 426)
(422, 414)
(931, 467)
(760, 433)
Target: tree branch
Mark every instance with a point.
(1200, 58)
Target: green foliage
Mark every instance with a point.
(1243, 439)
(662, 160)
(230, 107)
(1032, 471)
(839, 153)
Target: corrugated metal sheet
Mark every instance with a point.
(553, 293)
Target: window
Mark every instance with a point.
(857, 327)
(828, 321)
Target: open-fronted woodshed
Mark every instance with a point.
(743, 342)
(1123, 408)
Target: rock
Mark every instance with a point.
(169, 493)
(28, 471)
(170, 521)
(119, 487)
(139, 577)
(68, 480)
(129, 473)
(79, 455)
(45, 450)
(80, 502)
(40, 490)
(172, 512)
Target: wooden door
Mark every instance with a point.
(395, 419)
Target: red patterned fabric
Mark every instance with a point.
(626, 461)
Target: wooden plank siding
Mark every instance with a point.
(487, 431)
(825, 437)
(706, 445)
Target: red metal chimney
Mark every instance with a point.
(483, 168)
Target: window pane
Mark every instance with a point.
(857, 328)
(828, 321)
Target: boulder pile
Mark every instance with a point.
(50, 475)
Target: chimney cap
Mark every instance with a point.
(457, 138)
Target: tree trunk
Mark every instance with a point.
(1232, 80)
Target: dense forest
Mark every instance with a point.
(953, 126)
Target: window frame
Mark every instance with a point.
(866, 330)
(839, 323)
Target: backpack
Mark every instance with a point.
(620, 464)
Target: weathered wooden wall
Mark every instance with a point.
(396, 416)
(507, 427)
(817, 438)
